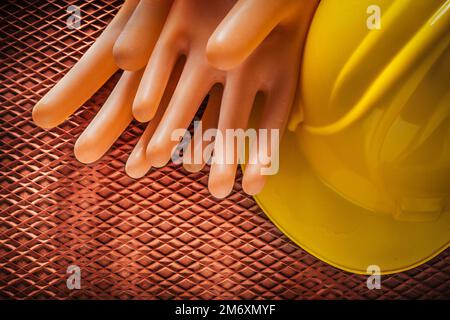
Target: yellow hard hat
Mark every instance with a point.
(365, 177)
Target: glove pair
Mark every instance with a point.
(174, 54)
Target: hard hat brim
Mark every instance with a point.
(339, 232)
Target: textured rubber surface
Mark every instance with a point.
(162, 236)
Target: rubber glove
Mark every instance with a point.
(271, 69)
(135, 43)
(133, 20)
(248, 23)
(97, 65)
(139, 163)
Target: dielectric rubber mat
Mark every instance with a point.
(160, 237)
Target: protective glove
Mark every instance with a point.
(97, 65)
(248, 23)
(271, 69)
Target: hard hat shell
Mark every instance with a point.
(369, 182)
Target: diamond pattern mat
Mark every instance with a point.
(160, 237)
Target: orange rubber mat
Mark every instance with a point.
(160, 237)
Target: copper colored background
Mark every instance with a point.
(163, 236)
